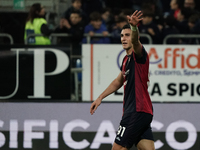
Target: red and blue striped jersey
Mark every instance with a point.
(136, 77)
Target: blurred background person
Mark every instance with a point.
(169, 28)
(194, 27)
(76, 5)
(182, 23)
(192, 4)
(182, 20)
(175, 6)
(148, 26)
(96, 26)
(189, 4)
(74, 27)
(153, 7)
(193, 21)
(36, 24)
(125, 12)
(116, 30)
(106, 18)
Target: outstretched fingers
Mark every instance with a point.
(135, 17)
(137, 14)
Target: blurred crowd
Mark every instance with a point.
(103, 20)
(106, 18)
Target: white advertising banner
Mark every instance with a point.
(174, 71)
(69, 126)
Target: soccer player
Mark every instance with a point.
(137, 115)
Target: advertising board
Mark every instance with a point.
(64, 125)
(34, 72)
(174, 71)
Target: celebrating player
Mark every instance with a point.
(137, 115)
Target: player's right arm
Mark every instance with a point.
(114, 85)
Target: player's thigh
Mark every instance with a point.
(145, 145)
(118, 147)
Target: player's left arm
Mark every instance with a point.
(133, 20)
(137, 46)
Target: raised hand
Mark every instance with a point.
(135, 18)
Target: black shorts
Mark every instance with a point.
(134, 127)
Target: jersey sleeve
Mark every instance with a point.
(142, 60)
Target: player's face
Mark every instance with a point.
(126, 39)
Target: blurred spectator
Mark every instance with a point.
(74, 27)
(36, 24)
(182, 20)
(125, 12)
(193, 19)
(106, 18)
(115, 12)
(169, 28)
(148, 26)
(96, 26)
(189, 4)
(192, 4)
(175, 6)
(194, 26)
(116, 31)
(151, 6)
(114, 15)
(122, 13)
(76, 5)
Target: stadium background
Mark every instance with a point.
(38, 110)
